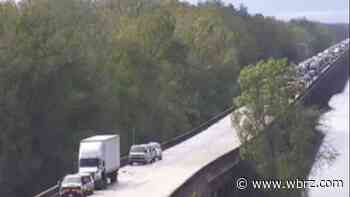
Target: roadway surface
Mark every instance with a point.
(179, 163)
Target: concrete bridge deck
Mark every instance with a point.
(179, 163)
(182, 161)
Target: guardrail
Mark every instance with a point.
(232, 157)
(339, 60)
(195, 131)
(53, 191)
(217, 166)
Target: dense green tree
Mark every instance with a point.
(72, 68)
(278, 135)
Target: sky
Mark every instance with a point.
(329, 11)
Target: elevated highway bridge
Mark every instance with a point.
(203, 163)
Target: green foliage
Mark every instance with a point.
(315, 35)
(195, 194)
(71, 69)
(295, 144)
(279, 137)
(265, 93)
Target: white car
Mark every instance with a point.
(140, 154)
(76, 185)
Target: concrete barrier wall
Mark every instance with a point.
(205, 181)
(219, 174)
(209, 179)
(329, 83)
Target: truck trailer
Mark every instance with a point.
(100, 156)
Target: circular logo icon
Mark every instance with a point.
(242, 183)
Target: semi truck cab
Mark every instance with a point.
(100, 156)
(93, 166)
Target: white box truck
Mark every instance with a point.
(100, 156)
